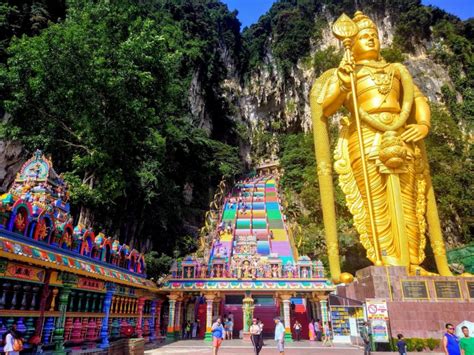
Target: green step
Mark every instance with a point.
(273, 214)
(271, 194)
(243, 224)
(229, 215)
(259, 224)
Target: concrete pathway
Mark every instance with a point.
(239, 347)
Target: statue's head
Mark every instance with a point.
(366, 43)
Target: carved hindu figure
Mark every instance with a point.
(386, 178)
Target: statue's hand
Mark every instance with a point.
(344, 71)
(415, 132)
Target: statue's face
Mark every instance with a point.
(366, 45)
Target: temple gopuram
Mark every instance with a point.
(64, 286)
(248, 267)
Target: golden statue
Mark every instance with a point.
(389, 191)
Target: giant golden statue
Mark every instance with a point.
(380, 156)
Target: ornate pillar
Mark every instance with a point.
(172, 304)
(323, 303)
(286, 297)
(42, 304)
(106, 308)
(153, 315)
(159, 304)
(178, 316)
(209, 305)
(247, 309)
(139, 327)
(69, 280)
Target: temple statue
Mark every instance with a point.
(380, 156)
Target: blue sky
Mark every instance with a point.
(251, 10)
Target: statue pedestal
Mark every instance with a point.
(418, 306)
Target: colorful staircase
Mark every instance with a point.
(252, 213)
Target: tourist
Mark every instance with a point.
(187, 330)
(13, 342)
(318, 330)
(401, 345)
(297, 328)
(451, 341)
(311, 330)
(467, 343)
(327, 335)
(255, 335)
(365, 335)
(195, 329)
(260, 324)
(229, 328)
(280, 335)
(217, 335)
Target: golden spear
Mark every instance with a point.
(345, 30)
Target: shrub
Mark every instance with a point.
(419, 344)
(410, 343)
(432, 343)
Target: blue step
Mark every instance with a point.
(263, 247)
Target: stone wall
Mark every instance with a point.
(414, 318)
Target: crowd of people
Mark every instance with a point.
(451, 344)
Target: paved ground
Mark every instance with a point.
(239, 347)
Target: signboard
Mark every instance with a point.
(379, 330)
(341, 319)
(447, 289)
(470, 287)
(25, 272)
(376, 309)
(415, 290)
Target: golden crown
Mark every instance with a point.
(363, 21)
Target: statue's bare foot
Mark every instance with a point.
(419, 271)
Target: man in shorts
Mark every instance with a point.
(280, 335)
(217, 335)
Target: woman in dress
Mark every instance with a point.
(312, 334)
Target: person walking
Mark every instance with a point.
(327, 335)
(451, 341)
(255, 335)
(467, 343)
(217, 335)
(311, 332)
(365, 335)
(297, 328)
(401, 345)
(13, 342)
(260, 324)
(280, 335)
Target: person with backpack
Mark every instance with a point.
(13, 342)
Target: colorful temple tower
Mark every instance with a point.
(249, 267)
(65, 286)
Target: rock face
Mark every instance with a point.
(12, 157)
(268, 97)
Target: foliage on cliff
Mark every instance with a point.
(290, 33)
(105, 92)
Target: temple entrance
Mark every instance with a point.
(266, 309)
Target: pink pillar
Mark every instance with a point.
(158, 317)
(139, 328)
